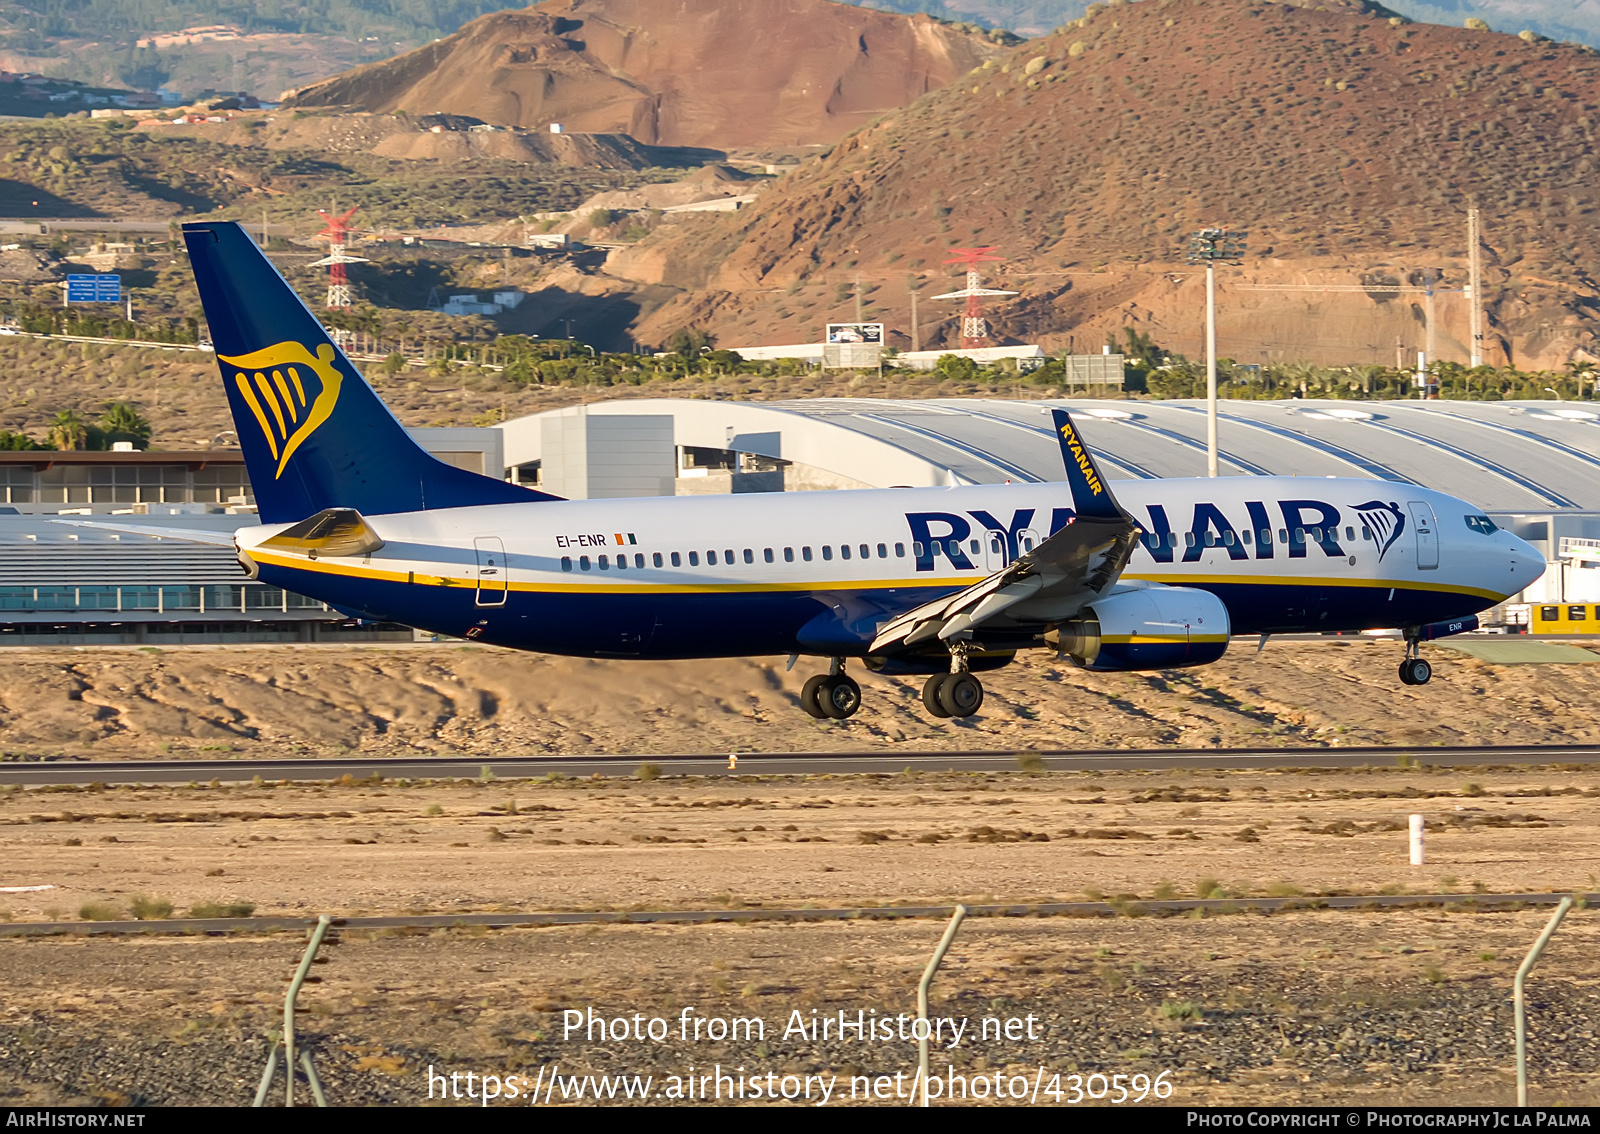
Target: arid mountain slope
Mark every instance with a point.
(672, 72)
(1348, 143)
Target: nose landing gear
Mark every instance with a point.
(1414, 670)
(953, 694)
(831, 696)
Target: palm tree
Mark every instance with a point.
(122, 422)
(68, 430)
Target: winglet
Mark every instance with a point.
(1091, 496)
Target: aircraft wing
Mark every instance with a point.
(189, 535)
(1053, 581)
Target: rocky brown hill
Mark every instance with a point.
(683, 73)
(1349, 142)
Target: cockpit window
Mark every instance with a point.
(1482, 525)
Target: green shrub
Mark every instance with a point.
(99, 911)
(150, 909)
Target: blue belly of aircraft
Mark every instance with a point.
(766, 623)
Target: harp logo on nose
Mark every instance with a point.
(290, 392)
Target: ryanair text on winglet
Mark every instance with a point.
(1082, 458)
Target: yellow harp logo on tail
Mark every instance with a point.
(289, 390)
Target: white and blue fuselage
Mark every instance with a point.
(818, 573)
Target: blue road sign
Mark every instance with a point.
(94, 289)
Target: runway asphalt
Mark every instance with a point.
(66, 770)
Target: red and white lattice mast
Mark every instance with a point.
(337, 234)
(974, 327)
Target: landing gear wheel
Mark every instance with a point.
(960, 695)
(809, 700)
(1415, 671)
(838, 696)
(930, 695)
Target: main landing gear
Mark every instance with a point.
(1414, 670)
(833, 695)
(953, 694)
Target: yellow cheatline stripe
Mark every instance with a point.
(255, 408)
(1292, 581)
(272, 402)
(1162, 639)
(283, 388)
(323, 566)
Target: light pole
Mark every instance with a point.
(1210, 246)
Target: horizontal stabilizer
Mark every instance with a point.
(188, 535)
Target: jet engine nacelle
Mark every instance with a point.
(1147, 628)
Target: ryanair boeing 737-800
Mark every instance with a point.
(946, 582)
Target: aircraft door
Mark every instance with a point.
(1027, 540)
(1427, 535)
(994, 551)
(491, 570)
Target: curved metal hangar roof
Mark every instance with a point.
(1503, 456)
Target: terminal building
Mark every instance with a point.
(1532, 466)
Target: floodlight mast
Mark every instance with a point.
(1210, 246)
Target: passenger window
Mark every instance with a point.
(1576, 613)
(883, 551)
(622, 563)
(974, 546)
(727, 557)
(1366, 533)
(1283, 535)
(638, 560)
(899, 551)
(1246, 537)
(1227, 537)
(656, 559)
(866, 552)
(917, 548)
(566, 562)
(749, 556)
(1349, 533)
(677, 560)
(1299, 535)
(711, 558)
(766, 553)
(1188, 539)
(694, 559)
(827, 551)
(936, 548)
(805, 553)
(788, 555)
(583, 562)
(1549, 613)
(844, 551)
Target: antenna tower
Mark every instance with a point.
(337, 233)
(974, 327)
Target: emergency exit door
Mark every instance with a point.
(491, 570)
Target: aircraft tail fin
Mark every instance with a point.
(315, 435)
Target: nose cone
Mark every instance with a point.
(1526, 565)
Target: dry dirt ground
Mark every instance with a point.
(1359, 1007)
(470, 700)
(1312, 1006)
